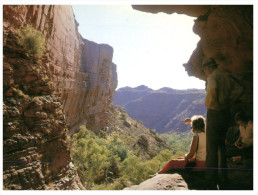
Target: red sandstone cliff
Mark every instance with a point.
(74, 79)
(47, 99)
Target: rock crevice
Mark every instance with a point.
(47, 99)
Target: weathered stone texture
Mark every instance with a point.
(77, 67)
(97, 81)
(191, 10)
(162, 182)
(69, 86)
(226, 34)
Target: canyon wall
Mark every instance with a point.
(46, 99)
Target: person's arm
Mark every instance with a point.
(214, 98)
(239, 143)
(187, 121)
(192, 149)
(212, 92)
(248, 141)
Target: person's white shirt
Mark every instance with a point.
(201, 152)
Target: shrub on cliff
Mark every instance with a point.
(114, 144)
(178, 142)
(132, 169)
(97, 157)
(91, 159)
(103, 161)
(31, 40)
(118, 148)
(138, 171)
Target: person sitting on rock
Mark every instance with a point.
(245, 139)
(242, 140)
(233, 153)
(198, 147)
(197, 153)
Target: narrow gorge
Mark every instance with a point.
(47, 99)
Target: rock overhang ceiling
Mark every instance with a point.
(226, 33)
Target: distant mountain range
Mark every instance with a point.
(164, 109)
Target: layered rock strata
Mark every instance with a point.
(88, 101)
(48, 98)
(35, 146)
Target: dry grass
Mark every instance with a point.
(37, 100)
(31, 40)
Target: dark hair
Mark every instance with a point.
(198, 123)
(240, 116)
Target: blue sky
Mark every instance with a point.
(149, 49)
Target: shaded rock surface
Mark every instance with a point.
(37, 93)
(46, 99)
(162, 182)
(195, 180)
(35, 145)
(226, 34)
(191, 10)
(164, 109)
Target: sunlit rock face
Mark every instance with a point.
(226, 34)
(88, 101)
(44, 100)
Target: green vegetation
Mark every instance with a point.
(179, 143)
(124, 115)
(113, 159)
(91, 157)
(104, 161)
(138, 171)
(31, 40)
(20, 93)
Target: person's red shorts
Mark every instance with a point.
(180, 163)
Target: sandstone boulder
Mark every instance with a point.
(162, 182)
